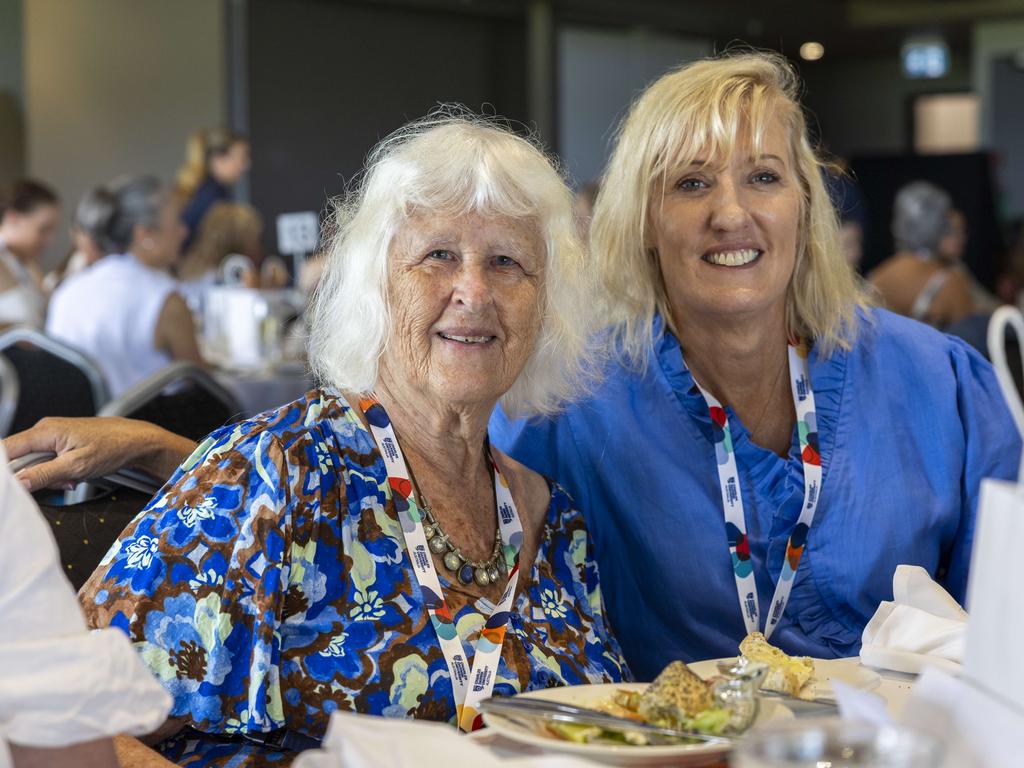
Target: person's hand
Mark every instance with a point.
(88, 448)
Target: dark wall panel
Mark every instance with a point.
(327, 80)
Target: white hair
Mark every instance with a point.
(452, 163)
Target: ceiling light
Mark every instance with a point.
(811, 51)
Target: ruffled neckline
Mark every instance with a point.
(775, 478)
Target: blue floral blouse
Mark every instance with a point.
(267, 586)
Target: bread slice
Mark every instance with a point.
(786, 674)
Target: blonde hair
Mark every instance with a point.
(704, 107)
(227, 228)
(452, 163)
(201, 146)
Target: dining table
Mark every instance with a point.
(894, 688)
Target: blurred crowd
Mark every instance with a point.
(149, 248)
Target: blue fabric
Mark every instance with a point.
(206, 195)
(910, 421)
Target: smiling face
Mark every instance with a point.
(466, 305)
(727, 230)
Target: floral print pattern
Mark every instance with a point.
(268, 585)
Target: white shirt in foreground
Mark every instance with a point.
(59, 683)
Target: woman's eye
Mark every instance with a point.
(691, 184)
(440, 255)
(505, 261)
(765, 177)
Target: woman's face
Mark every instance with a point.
(29, 234)
(229, 167)
(466, 305)
(727, 230)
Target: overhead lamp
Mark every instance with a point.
(811, 51)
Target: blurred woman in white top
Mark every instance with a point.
(29, 212)
(125, 310)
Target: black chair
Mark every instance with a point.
(9, 389)
(86, 530)
(181, 398)
(55, 379)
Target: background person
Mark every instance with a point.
(126, 311)
(215, 159)
(29, 212)
(919, 280)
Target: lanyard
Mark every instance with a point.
(469, 686)
(732, 497)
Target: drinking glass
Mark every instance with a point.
(835, 743)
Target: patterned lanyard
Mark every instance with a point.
(488, 647)
(732, 497)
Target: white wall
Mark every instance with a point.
(599, 74)
(116, 86)
(12, 148)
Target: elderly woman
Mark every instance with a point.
(364, 548)
(925, 278)
(756, 410)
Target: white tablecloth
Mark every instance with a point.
(259, 391)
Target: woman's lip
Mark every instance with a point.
(733, 258)
(467, 338)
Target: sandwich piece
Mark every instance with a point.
(675, 698)
(786, 674)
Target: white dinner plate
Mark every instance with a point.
(848, 671)
(620, 754)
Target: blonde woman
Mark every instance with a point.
(215, 159)
(758, 419)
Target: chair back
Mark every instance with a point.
(9, 389)
(86, 530)
(181, 398)
(54, 379)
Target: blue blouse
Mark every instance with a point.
(909, 421)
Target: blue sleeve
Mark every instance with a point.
(545, 445)
(993, 449)
(197, 581)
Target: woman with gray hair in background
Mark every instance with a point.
(919, 280)
(125, 310)
(91, 215)
(364, 548)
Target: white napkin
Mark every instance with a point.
(994, 659)
(364, 741)
(922, 627)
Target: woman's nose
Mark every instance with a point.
(728, 206)
(472, 286)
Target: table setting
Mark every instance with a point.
(256, 340)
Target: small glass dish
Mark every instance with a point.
(736, 690)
